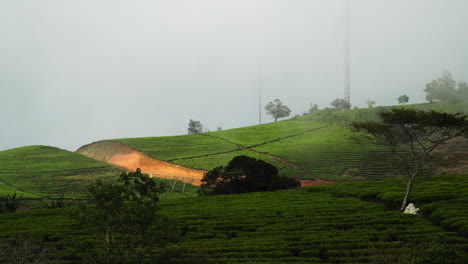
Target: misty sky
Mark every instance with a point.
(75, 72)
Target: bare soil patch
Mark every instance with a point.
(124, 157)
(315, 182)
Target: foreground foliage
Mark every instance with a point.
(123, 220)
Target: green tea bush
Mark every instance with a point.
(10, 203)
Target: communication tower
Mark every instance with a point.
(347, 56)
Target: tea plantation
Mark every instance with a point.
(41, 171)
(315, 145)
(300, 149)
(307, 225)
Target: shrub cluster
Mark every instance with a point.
(245, 174)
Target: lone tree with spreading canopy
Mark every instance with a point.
(277, 110)
(411, 136)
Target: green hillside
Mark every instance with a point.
(307, 225)
(300, 149)
(359, 114)
(39, 171)
(43, 171)
(315, 145)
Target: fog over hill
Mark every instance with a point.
(74, 72)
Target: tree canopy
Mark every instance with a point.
(340, 104)
(403, 99)
(370, 103)
(245, 174)
(313, 108)
(276, 109)
(194, 127)
(446, 89)
(123, 220)
(411, 136)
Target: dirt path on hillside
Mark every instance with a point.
(129, 159)
(126, 158)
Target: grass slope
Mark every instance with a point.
(315, 145)
(307, 225)
(43, 171)
(300, 149)
(39, 171)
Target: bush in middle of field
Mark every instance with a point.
(245, 174)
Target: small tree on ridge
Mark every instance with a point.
(340, 104)
(277, 110)
(194, 127)
(403, 99)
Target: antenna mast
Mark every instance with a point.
(347, 59)
(259, 95)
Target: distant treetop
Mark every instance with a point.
(340, 104)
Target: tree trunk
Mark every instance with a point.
(409, 188)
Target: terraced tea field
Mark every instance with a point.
(306, 225)
(299, 227)
(39, 171)
(442, 199)
(314, 146)
(299, 149)
(43, 171)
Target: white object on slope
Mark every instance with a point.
(411, 209)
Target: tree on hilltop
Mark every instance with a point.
(194, 127)
(403, 99)
(370, 103)
(442, 89)
(340, 104)
(313, 108)
(462, 91)
(277, 110)
(411, 136)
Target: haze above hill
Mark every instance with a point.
(77, 72)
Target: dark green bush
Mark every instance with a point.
(10, 203)
(245, 174)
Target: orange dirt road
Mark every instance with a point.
(315, 182)
(129, 159)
